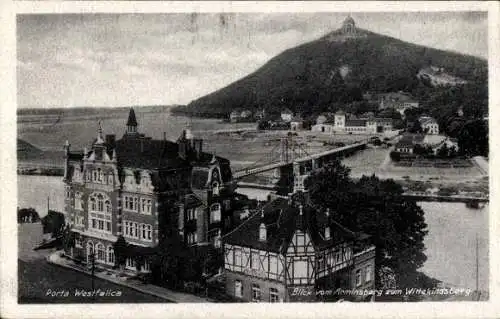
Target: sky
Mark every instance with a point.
(113, 60)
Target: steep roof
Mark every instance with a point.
(282, 219)
(355, 122)
(132, 121)
(147, 153)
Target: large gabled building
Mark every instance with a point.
(124, 187)
(290, 251)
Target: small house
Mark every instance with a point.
(286, 115)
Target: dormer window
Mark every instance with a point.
(215, 212)
(215, 188)
(327, 233)
(262, 232)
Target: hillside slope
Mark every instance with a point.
(334, 70)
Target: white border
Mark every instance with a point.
(8, 191)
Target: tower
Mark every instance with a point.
(339, 120)
(131, 123)
(349, 26)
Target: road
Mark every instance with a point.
(41, 282)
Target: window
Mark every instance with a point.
(93, 206)
(215, 188)
(273, 295)
(78, 242)
(192, 238)
(215, 213)
(129, 203)
(107, 204)
(145, 267)
(130, 264)
(111, 255)
(358, 277)
(126, 229)
(149, 232)
(136, 204)
(108, 226)
(255, 260)
(110, 179)
(136, 230)
(143, 207)
(79, 220)
(273, 264)
(100, 175)
(238, 288)
(191, 214)
(237, 257)
(262, 232)
(368, 273)
(321, 263)
(100, 203)
(78, 201)
(148, 206)
(143, 228)
(101, 254)
(338, 257)
(256, 293)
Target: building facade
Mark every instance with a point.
(344, 123)
(287, 250)
(126, 188)
(429, 125)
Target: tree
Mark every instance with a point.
(53, 223)
(443, 151)
(68, 238)
(376, 207)
(473, 138)
(415, 127)
(27, 215)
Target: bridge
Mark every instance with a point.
(292, 163)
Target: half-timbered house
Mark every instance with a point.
(289, 251)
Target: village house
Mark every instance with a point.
(286, 115)
(438, 76)
(399, 101)
(297, 123)
(429, 125)
(122, 187)
(288, 246)
(240, 115)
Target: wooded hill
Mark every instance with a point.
(330, 72)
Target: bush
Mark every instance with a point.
(395, 156)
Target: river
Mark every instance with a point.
(450, 243)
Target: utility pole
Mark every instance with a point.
(477, 268)
(92, 260)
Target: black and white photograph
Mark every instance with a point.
(253, 157)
